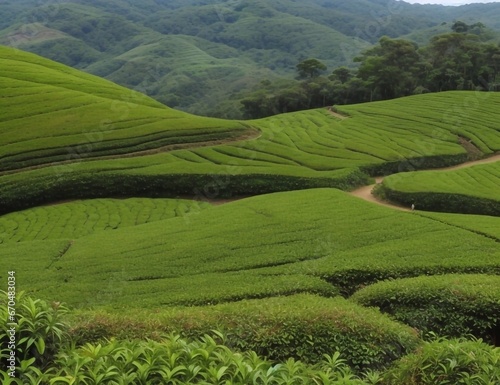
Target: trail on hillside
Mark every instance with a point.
(336, 114)
(365, 192)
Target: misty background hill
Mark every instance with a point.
(203, 56)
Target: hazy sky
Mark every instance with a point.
(449, 2)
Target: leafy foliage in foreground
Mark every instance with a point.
(303, 326)
(40, 331)
(448, 305)
(48, 356)
(456, 361)
(204, 361)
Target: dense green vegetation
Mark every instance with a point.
(481, 224)
(294, 151)
(324, 235)
(302, 326)
(468, 190)
(49, 353)
(456, 60)
(456, 361)
(267, 271)
(203, 57)
(448, 305)
(76, 219)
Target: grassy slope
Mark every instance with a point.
(106, 40)
(246, 41)
(275, 244)
(50, 112)
(482, 224)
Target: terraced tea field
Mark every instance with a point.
(481, 181)
(279, 243)
(73, 145)
(76, 219)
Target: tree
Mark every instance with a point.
(342, 74)
(390, 68)
(460, 27)
(310, 68)
(456, 61)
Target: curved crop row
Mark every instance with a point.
(250, 248)
(52, 113)
(80, 218)
(473, 190)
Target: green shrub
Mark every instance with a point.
(442, 202)
(304, 327)
(46, 355)
(457, 361)
(25, 193)
(412, 164)
(449, 305)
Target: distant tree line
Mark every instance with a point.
(458, 60)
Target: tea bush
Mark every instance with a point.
(449, 305)
(456, 361)
(39, 332)
(472, 190)
(303, 326)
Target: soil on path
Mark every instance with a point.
(336, 114)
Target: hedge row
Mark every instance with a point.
(27, 193)
(448, 305)
(47, 352)
(115, 147)
(441, 202)
(349, 281)
(419, 163)
(302, 326)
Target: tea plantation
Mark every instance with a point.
(123, 210)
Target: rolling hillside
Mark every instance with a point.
(274, 244)
(136, 141)
(470, 190)
(52, 113)
(125, 209)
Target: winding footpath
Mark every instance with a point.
(365, 192)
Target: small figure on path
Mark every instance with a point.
(413, 207)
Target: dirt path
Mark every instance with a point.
(365, 192)
(336, 114)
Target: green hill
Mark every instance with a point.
(270, 270)
(292, 151)
(52, 113)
